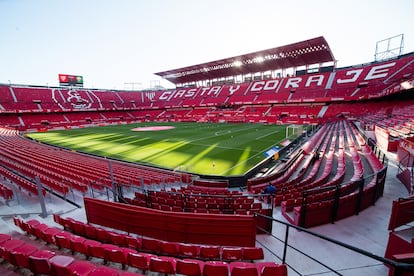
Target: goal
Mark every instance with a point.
(293, 131)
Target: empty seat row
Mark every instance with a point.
(142, 260)
(33, 159)
(26, 255)
(160, 247)
(20, 181)
(178, 202)
(275, 90)
(321, 192)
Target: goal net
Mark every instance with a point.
(293, 131)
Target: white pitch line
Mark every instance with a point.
(222, 147)
(227, 132)
(258, 138)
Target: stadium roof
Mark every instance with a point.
(308, 52)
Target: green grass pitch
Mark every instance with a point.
(201, 148)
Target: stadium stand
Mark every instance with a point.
(323, 93)
(118, 252)
(199, 226)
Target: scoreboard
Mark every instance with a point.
(70, 80)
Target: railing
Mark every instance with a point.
(292, 254)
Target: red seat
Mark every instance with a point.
(189, 267)
(19, 223)
(116, 254)
(59, 265)
(231, 254)
(90, 231)
(243, 269)
(140, 260)
(7, 247)
(49, 234)
(169, 248)
(20, 255)
(189, 250)
(66, 222)
(162, 265)
(37, 230)
(151, 245)
(102, 235)
(28, 226)
(271, 269)
(117, 238)
(133, 242)
(95, 249)
(62, 240)
(210, 252)
(78, 228)
(252, 253)
(57, 219)
(215, 268)
(176, 209)
(123, 259)
(77, 245)
(165, 207)
(39, 261)
(81, 268)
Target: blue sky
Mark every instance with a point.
(114, 43)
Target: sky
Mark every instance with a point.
(120, 44)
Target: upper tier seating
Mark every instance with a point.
(353, 83)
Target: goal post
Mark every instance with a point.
(293, 131)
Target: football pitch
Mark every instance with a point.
(210, 149)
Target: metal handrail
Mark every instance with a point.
(399, 267)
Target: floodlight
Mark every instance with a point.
(406, 85)
(237, 63)
(259, 59)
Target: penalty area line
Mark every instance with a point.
(263, 136)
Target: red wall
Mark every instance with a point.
(217, 229)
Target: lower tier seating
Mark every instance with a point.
(125, 256)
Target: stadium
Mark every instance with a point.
(171, 181)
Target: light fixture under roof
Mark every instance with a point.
(237, 63)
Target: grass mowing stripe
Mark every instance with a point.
(204, 148)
